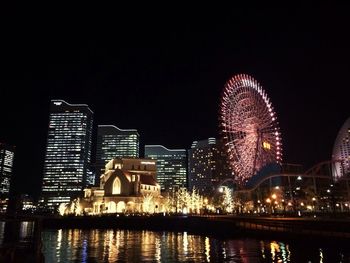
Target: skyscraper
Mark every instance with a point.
(7, 153)
(341, 152)
(68, 152)
(207, 165)
(171, 166)
(113, 142)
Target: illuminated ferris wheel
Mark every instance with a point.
(250, 128)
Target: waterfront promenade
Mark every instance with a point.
(226, 225)
(222, 225)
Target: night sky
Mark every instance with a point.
(162, 73)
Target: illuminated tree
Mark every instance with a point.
(72, 208)
(182, 200)
(62, 209)
(147, 203)
(188, 202)
(78, 209)
(227, 200)
(168, 204)
(196, 201)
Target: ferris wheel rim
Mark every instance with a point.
(260, 129)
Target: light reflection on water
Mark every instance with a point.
(75, 245)
(20, 232)
(2, 231)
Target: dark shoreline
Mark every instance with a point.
(223, 226)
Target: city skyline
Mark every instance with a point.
(167, 84)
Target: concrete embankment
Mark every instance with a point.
(213, 225)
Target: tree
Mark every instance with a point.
(227, 200)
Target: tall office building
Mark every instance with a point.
(207, 165)
(7, 154)
(341, 152)
(171, 166)
(113, 142)
(68, 152)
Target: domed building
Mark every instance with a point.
(341, 152)
(127, 186)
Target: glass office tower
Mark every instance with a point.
(207, 165)
(7, 154)
(68, 152)
(113, 142)
(171, 166)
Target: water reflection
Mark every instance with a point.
(73, 245)
(207, 249)
(2, 231)
(321, 256)
(20, 232)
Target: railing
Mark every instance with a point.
(293, 226)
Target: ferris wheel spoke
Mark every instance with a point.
(250, 127)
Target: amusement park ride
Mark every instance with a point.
(250, 128)
(253, 144)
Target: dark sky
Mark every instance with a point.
(163, 73)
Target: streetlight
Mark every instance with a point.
(313, 203)
(274, 197)
(258, 206)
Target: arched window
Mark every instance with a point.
(116, 186)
